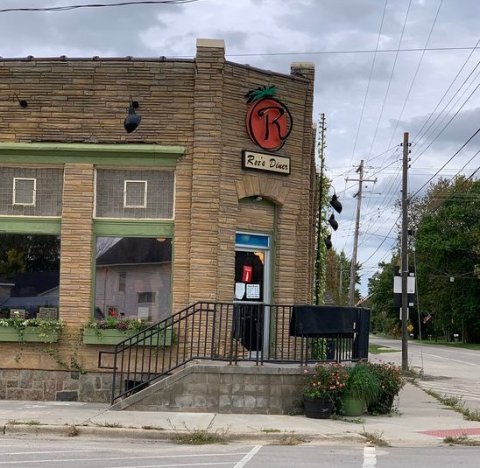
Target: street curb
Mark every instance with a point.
(68, 430)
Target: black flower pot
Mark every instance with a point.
(317, 408)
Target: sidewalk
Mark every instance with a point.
(418, 413)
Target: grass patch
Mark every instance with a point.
(291, 439)
(452, 344)
(270, 431)
(375, 438)
(153, 428)
(72, 431)
(14, 422)
(109, 424)
(377, 349)
(455, 403)
(462, 440)
(199, 437)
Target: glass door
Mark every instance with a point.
(252, 291)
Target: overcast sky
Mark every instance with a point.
(369, 99)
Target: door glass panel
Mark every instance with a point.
(249, 276)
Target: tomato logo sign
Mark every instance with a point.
(268, 121)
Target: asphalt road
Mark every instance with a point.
(81, 453)
(446, 370)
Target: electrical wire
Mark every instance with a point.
(369, 82)
(95, 5)
(450, 159)
(416, 72)
(453, 116)
(390, 79)
(419, 135)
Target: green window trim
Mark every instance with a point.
(30, 225)
(90, 153)
(133, 228)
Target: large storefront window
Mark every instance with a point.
(133, 278)
(29, 275)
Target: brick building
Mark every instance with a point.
(196, 204)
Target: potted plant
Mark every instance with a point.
(362, 387)
(113, 330)
(30, 330)
(323, 385)
(391, 382)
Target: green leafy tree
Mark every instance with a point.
(447, 241)
(21, 253)
(384, 318)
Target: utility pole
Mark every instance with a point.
(361, 180)
(318, 259)
(404, 252)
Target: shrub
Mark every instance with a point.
(325, 381)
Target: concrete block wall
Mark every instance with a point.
(224, 389)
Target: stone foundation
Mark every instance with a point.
(55, 385)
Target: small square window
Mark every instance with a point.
(135, 194)
(24, 191)
(146, 298)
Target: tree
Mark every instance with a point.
(446, 245)
(338, 276)
(20, 253)
(385, 317)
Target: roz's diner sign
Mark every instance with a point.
(268, 120)
(265, 162)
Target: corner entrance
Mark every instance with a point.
(252, 291)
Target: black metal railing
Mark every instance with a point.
(230, 332)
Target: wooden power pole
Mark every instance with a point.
(404, 252)
(361, 180)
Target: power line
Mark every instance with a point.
(446, 115)
(95, 5)
(455, 154)
(369, 82)
(358, 51)
(419, 135)
(416, 72)
(390, 79)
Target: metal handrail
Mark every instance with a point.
(229, 332)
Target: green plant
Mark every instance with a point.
(46, 328)
(325, 381)
(391, 382)
(374, 438)
(122, 324)
(457, 404)
(319, 349)
(361, 383)
(461, 440)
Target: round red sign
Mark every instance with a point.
(269, 123)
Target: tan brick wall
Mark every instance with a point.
(201, 106)
(77, 244)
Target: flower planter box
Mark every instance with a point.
(29, 335)
(108, 336)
